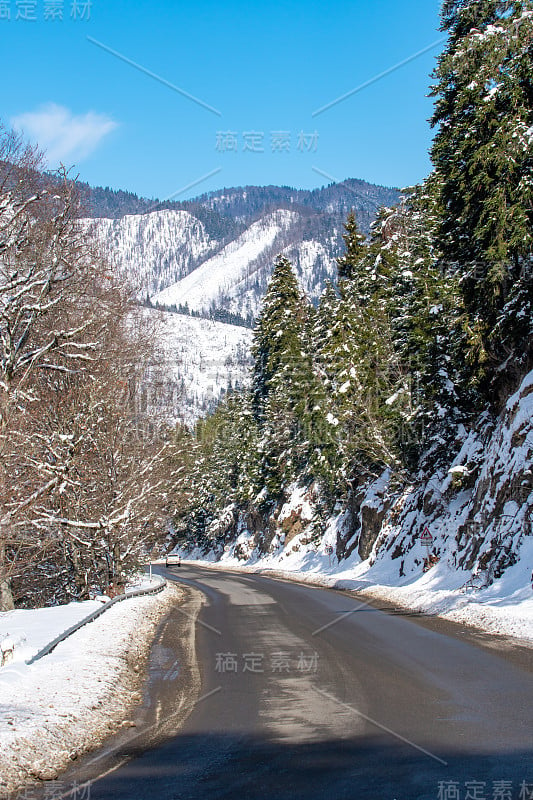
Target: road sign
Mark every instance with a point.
(329, 550)
(426, 538)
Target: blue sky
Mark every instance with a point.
(260, 72)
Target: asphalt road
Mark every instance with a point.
(310, 693)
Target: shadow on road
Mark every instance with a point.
(392, 612)
(218, 766)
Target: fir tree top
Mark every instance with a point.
(355, 248)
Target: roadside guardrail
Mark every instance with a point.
(95, 614)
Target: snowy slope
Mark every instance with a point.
(205, 359)
(236, 278)
(312, 264)
(481, 524)
(229, 272)
(169, 256)
(154, 249)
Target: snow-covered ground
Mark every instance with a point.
(30, 631)
(170, 257)
(206, 359)
(69, 701)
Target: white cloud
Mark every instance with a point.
(64, 137)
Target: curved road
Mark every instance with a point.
(310, 693)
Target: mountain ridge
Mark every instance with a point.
(336, 197)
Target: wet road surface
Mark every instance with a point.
(303, 692)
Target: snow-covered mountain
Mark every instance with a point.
(232, 274)
(215, 255)
(236, 278)
(155, 249)
(171, 259)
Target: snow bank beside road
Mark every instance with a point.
(24, 633)
(31, 630)
(71, 700)
(504, 608)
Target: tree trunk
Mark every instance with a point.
(6, 596)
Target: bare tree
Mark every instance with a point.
(81, 483)
(110, 472)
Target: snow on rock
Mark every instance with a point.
(69, 701)
(7, 649)
(459, 470)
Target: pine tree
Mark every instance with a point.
(319, 452)
(427, 317)
(358, 359)
(483, 161)
(355, 248)
(277, 333)
(282, 380)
